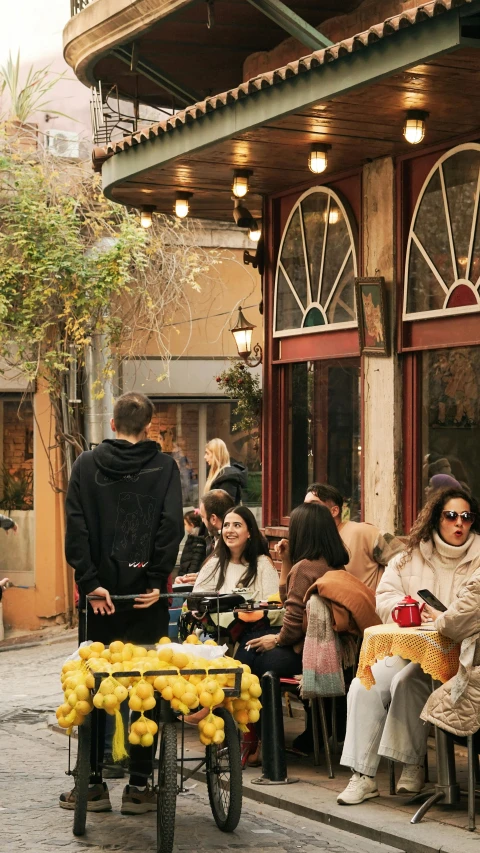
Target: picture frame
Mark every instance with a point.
(371, 314)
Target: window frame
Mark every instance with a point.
(353, 235)
(444, 311)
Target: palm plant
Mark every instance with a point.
(29, 98)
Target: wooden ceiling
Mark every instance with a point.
(208, 60)
(360, 126)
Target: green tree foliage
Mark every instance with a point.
(243, 386)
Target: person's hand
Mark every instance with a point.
(4, 582)
(282, 548)
(104, 604)
(14, 529)
(146, 599)
(429, 614)
(264, 644)
(186, 579)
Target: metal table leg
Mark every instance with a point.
(446, 790)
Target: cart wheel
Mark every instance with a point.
(224, 776)
(82, 776)
(167, 789)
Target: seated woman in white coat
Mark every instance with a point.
(443, 552)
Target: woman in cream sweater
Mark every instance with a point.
(442, 553)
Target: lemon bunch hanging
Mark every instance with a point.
(185, 691)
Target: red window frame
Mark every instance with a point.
(279, 353)
(416, 336)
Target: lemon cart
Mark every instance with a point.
(162, 685)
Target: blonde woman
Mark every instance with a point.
(222, 474)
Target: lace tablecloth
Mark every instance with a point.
(437, 655)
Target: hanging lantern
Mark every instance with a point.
(414, 126)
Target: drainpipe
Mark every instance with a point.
(97, 411)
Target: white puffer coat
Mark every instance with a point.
(419, 573)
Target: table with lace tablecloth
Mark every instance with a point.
(437, 655)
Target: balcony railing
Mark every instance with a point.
(114, 117)
(76, 6)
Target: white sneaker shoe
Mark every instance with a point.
(412, 779)
(359, 788)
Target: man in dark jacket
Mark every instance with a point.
(124, 526)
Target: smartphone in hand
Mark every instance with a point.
(429, 598)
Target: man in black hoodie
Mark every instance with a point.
(124, 526)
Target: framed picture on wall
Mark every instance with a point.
(372, 332)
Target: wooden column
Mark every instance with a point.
(382, 387)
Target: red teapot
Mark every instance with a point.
(408, 613)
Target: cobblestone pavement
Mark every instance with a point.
(33, 759)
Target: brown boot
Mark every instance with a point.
(255, 758)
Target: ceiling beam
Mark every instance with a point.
(182, 94)
(293, 24)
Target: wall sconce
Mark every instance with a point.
(182, 205)
(146, 215)
(317, 159)
(254, 232)
(242, 332)
(240, 182)
(414, 126)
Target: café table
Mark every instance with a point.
(438, 656)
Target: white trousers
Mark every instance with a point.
(385, 720)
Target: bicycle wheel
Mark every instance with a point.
(167, 789)
(82, 776)
(224, 776)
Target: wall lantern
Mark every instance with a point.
(182, 205)
(240, 182)
(414, 127)
(254, 232)
(242, 332)
(146, 215)
(317, 159)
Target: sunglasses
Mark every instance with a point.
(451, 515)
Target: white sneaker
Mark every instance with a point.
(412, 779)
(359, 788)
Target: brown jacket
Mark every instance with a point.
(455, 706)
(352, 603)
(300, 577)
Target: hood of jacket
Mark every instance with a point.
(117, 458)
(234, 473)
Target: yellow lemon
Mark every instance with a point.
(105, 654)
(219, 736)
(255, 690)
(218, 696)
(149, 703)
(98, 700)
(110, 701)
(121, 692)
(151, 726)
(63, 723)
(192, 639)
(242, 717)
(160, 682)
(165, 654)
(72, 699)
(127, 652)
(206, 699)
(85, 652)
(209, 730)
(83, 707)
(253, 715)
(146, 740)
(210, 643)
(139, 652)
(164, 641)
(218, 722)
(180, 659)
(134, 739)
(97, 648)
(135, 703)
(167, 694)
(144, 690)
(205, 740)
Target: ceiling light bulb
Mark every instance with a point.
(181, 207)
(182, 204)
(146, 218)
(240, 185)
(414, 127)
(317, 159)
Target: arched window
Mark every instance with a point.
(442, 270)
(316, 268)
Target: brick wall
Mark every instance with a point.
(17, 436)
(274, 534)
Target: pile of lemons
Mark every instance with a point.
(184, 692)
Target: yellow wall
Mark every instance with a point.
(37, 607)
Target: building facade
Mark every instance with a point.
(372, 266)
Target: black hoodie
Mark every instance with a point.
(124, 517)
(232, 479)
